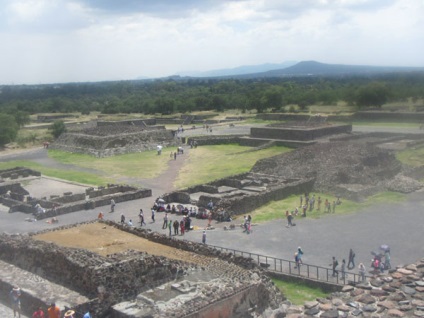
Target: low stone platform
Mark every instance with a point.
(36, 291)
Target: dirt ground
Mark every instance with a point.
(104, 240)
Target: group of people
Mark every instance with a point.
(180, 227)
(53, 311)
(307, 203)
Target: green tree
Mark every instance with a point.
(8, 129)
(374, 94)
(57, 128)
(21, 118)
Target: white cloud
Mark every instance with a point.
(60, 41)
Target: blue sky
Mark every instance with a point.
(49, 41)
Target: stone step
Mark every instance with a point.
(36, 291)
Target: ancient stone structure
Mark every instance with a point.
(111, 138)
(124, 285)
(242, 193)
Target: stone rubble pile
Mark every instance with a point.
(399, 294)
(338, 163)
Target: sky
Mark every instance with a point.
(55, 41)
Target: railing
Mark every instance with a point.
(289, 267)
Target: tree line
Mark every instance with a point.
(167, 96)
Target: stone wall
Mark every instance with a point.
(298, 134)
(214, 140)
(390, 116)
(18, 172)
(301, 117)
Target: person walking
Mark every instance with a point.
(289, 219)
(204, 237)
(334, 265)
(141, 216)
(343, 269)
(170, 227)
(351, 259)
(112, 205)
(153, 215)
(122, 219)
(165, 221)
(361, 270)
(15, 298)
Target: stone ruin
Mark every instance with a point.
(115, 138)
(241, 193)
(134, 284)
(14, 196)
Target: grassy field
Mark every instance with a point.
(144, 165)
(413, 157)
(208, 163)
(276, 209)
(70, 175)
(298, 293)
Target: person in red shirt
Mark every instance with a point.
(39, 313)
(53, 311)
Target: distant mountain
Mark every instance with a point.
(240, 70)
(313, 68)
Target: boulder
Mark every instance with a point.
(330, 314)
(366, 299)
(395, 313)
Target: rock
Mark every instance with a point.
(311, 304)
(312, 311)
(348, 288)
(404, 302)
(397, 275)
(325, 307)
(337, 302)
(405, 308)
(398, 296)
(408, 290)
(419, 283)
(369, 308)
(419, 313)
(419, 289)
(343, 308)
(356, 312)
(404, 271)
(376, 282)
(294, 310)
(388, 288)
(396, 284)
(412, 267)
(418, 303)
(366, 299)
(378, 292)
(395, 313)
(357, 292)
(353, 304)
(388, 279)
(330, 314)
(387, 304)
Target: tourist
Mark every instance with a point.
(301, 201)
(53, 311)
(182, 225)
(361, 270)
(15, 298)
(122, 219)
(334, 206)
(334, 265)
(112, 205)
(289, 219)
(175, 155)
(88, 314)
(319, 204)
(187, 226)
(100, 216)
(141, 216)
(130, 223)
(311, 203)
(153, 215)
(300, 254)
(165, 221)
(305, 207)
(296, 260)
(326, 204)
(170, 227)
(351, 259)
(343, 269)
(204, 237)
(39, 313)
(210, 205)
(176, 226)
(338, 202)
(387, 264)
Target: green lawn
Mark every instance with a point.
(412, 157)
(298, 293)
(145, 164)
(276, 209)
(207, 163)
(70, 175)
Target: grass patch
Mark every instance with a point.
(144, 165)
(277, 209)
(411, 157)
(74, 176)
(208, 163)
(298, 293)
